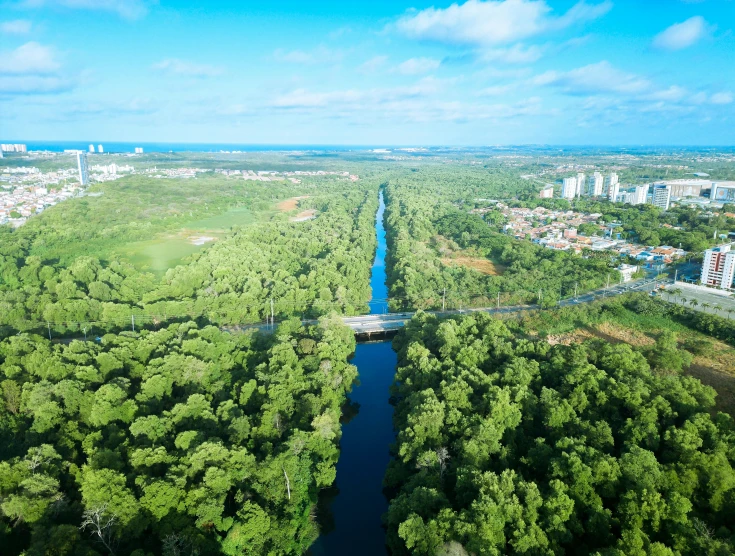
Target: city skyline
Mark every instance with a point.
(416, 73)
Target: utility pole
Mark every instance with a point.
(132, 320)
(444, 296)
(498, 300)
(85, 333)
(272, 315)
(575, 290)
(539, 297)
(676, 275)
(49, 329)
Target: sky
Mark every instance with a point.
(479, 72)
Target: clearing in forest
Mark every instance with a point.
(714, 366)
(304, 215)
(290, 204)
(481, 264)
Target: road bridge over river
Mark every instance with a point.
(367, 326)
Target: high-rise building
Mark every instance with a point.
(1, 153)
(661, 196)
(91, 148)
(641, 195)
(581, 178)
(723, 192)
(718, 269)
(569, 188)
(83, 168)
(14, 148)
(597, 184)
(547, 192)
(613, 190)
(138, 150)
(100, 149)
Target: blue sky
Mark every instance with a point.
(422, 73)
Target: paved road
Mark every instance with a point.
(388, 322)
(702, 296)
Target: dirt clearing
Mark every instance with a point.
(290, 204)
(483, 265)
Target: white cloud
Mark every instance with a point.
(682, 35)
(497, 90)
(594, 78)
(33, 84)
(373, 64)
(516, 54)
(320, 55)
(724, 97)
(493, 22)
(175, 66)
(128, 9)
(416, 66)
(30, 58)
(16, 27)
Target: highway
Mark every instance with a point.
(367, 325)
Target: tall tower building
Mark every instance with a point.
(661, 196)
(100, 149)
(91, 148)
(83, 168)
(641, 194)
(581, 179)
(569, 188)
(597, 184)
(612, 192)
(718, 268)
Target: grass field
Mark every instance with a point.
(171, 248)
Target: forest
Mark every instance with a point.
(421, 214)
(54, 270)
(187, 440)
(510, 445)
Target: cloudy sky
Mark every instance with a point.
(480, 72)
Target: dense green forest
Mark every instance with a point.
(186, 440)
(64, 266)
(509, 445)
(421, 213)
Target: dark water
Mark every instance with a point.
(354, 526)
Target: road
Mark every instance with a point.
(706, 302)
(366, 325)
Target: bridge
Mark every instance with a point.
(386, 324)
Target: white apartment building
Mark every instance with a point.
(613, 190)
(597, 184)
(547, 192)
(661, 196)
(100, 149)
(569, 188)
(718, 269)
(91, 148)
(641, 194)
(138, 150)
(581, 179)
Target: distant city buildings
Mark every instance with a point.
(597, 184)
(14, 148)
(718, 269)
(569, 188)
(83, 168)
(138, 150)
(723, 192)
(640, 196)
(661, 196)
(581, 178)
(613, 190)
(547, 192)
(91, 148)
(100, 149)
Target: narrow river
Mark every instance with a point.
(355, 526)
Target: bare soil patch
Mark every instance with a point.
(304, 215)
(290, 204)
(483, 265)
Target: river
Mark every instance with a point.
(354, 525)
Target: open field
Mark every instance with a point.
(290, 204)
(483, 265)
